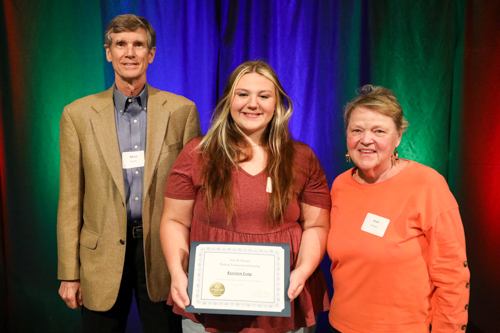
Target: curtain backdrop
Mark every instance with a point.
(478, 186)
(440, 58)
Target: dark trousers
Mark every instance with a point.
(333, 330)
(155, 316)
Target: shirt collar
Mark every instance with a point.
(120, 99)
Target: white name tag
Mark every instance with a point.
(133, 159)
(375, 225)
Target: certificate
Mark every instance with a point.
(239, 278)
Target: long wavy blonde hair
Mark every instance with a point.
(225, 146)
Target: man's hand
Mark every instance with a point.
(71, 293)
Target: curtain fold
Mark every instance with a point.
(479, 190)
(55, 56)
(413, 47)
(318, 68)
(5, 104)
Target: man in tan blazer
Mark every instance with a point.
(117, 148)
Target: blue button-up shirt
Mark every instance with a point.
(131, 129)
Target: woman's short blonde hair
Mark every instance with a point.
(378, 99)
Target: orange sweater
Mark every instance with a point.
(416, 273)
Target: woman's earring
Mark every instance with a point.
(395, 157)
(347, 158)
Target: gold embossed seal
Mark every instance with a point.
(217, 289)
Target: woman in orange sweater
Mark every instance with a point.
(396, 240)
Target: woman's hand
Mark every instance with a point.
(297, 281)
(174, 235)
(178, 290)
(315, 225)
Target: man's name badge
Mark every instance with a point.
(133, 159)
(376, 225)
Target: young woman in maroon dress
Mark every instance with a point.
(248, 181)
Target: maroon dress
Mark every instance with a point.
(249, 226)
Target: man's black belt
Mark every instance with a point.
(137, 231)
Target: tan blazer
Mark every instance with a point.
(92, 218)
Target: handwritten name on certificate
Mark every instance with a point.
(238, 277)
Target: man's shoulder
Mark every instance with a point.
(90, 100)
(170, 97)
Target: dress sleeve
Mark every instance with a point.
(180, 183)
(449, 272)
(315, 191)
